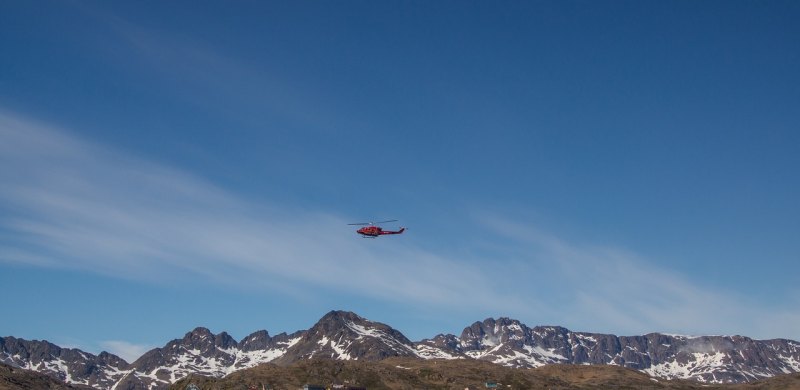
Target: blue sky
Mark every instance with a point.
(619, 167)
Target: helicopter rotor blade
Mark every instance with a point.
(372, 223)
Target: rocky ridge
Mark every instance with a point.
(343, 335)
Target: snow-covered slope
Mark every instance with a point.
(708, 359)
(346, 336)
(202, 352)
(67, 364)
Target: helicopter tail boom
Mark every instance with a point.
(402, 229)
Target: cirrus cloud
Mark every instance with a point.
(69, 203)
(73, 204)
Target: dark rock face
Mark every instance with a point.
(18, 378)
(341, 335)
(65, 364)
(200, 342)
(255, 341)
(345, 336)
(443, 346)
(711, 359)
(198, 351)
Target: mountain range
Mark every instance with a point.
(341, 335)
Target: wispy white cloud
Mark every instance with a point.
(128, 351)
(68, 203)
(73, 204)
(619, 291)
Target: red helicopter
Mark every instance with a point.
(372, 231)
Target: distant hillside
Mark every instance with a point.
(12, 378)
(410, 373)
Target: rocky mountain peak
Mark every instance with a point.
(492, 332)
(203, 339)
(337, 324)
(343, 335)
(254, 341)
(335, 318)
(68, 364)
(199, 334)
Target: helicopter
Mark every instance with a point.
(373, 231)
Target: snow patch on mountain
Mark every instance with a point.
(429, 352)
(794, 364)
(703, 367)
(363, 331)
(549, 355)
(340, 349)
(346, 336)
(517, 359)
(381, 335)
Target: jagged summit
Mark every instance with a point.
(343, 315)
(491, 332)
(344, 335)
(202, 338)
(67, 364)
